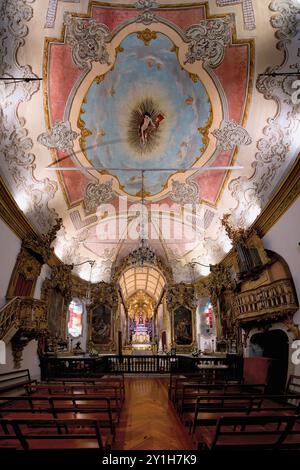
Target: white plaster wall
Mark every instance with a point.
(30, 360)
(284, 238)
(10, 246)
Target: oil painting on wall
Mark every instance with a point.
(101, 325)
(183, 333)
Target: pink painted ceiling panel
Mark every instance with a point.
(62, 74)
(232, 74)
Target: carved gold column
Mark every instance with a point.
(182, 295)
(104, 294)
(61, 278)
(219, 280)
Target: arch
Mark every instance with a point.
(274, 344)
(142, 278)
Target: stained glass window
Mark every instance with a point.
(75, 318)
(208, 314)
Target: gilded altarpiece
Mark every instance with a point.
(181, 305)
(102, 313)
(57, 294)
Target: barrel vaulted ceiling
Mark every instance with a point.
(196, 69)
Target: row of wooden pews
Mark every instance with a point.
(65, 414)
(229, 414)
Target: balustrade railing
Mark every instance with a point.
(276, 297)
(58, 367)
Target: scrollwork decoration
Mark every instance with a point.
(88, 41)
(207, 41)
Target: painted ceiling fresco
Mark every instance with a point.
(146, 77)
(137, 101)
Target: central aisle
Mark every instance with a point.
(148, 420)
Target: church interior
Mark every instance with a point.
(149, 226)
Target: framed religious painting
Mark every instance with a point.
(101, 328)
(183, 329)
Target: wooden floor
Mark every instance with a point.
(148, 421)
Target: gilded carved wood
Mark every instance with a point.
(35, 251)
(181, 300)
(102, 315)
(27, 266)
(22, 320)
(40, 245)
(271, 301)
(220, 280)
(57, 293)
(250, 256)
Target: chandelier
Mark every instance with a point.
(143, 254)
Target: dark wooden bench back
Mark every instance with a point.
(100, 408)
(12, 381)
(25, 432)
(251, 432)
(187, 393)
(210, 407)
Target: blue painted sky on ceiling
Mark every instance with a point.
(142, 73)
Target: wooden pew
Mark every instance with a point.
(108, 379)
(196, 377)
(27, 434)
(69, 407)
(111, 391)
(187, 393)
(178, 383)
(250, 433)
(210, 408)
(15, 381)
